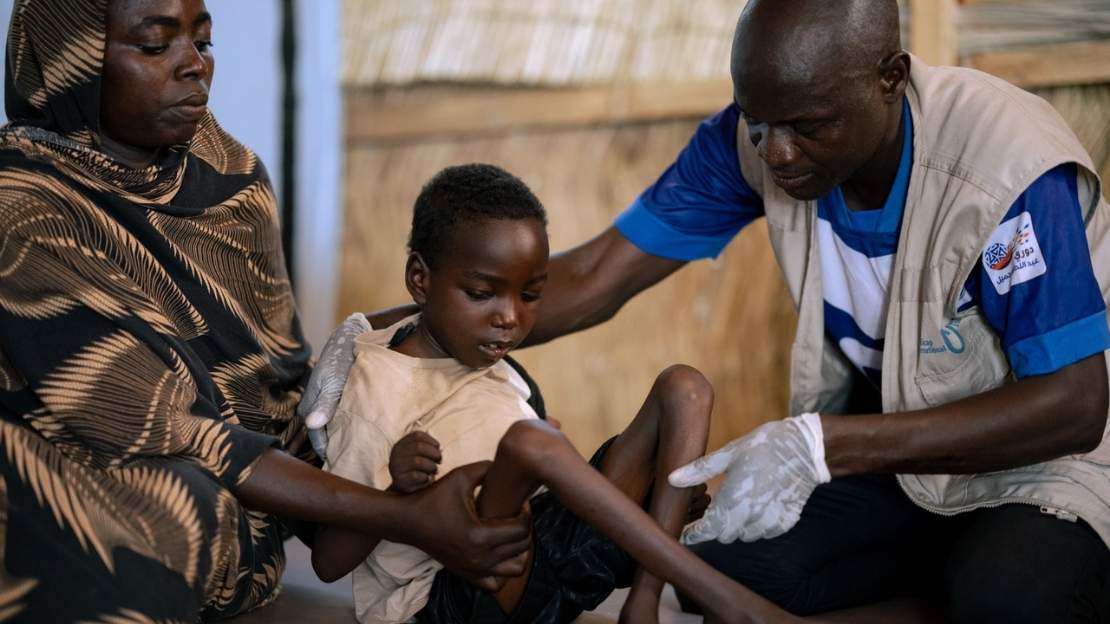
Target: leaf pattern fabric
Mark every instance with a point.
(149, 353)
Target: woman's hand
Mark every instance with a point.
(444, 523)
(440, 519)
(413, 462)
(325, 386)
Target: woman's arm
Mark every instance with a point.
(440, 519)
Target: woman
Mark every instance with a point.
(150, 355)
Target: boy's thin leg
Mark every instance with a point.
(670, 430)
(534, 452)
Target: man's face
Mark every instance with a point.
(813, 132)
(483, 292)
(158, 68)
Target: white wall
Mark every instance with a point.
(246, 99)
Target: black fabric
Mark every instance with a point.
(574, 568)
(535, 400)
(861, 540)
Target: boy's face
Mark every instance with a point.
(480, 300)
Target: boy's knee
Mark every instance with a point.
(686, 386)
(530, 442)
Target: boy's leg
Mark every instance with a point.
(670, 430)
(533, 452)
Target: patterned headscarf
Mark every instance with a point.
(55, 53)
(52, 85)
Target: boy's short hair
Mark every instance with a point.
(467, 194)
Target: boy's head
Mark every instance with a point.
(477, 261)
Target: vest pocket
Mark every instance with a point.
(958, 357)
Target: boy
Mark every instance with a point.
(434, 391)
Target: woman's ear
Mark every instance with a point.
(417, 275)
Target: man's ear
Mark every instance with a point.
(417, 276)
(894, 75)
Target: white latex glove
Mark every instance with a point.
(325, 385)
(771, 473)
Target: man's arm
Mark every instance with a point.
(1032, 420)
(771, 472)
(588, 284)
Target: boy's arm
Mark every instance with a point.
(338, 551)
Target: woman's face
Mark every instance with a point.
(158, 67)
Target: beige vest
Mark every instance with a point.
(979, 142)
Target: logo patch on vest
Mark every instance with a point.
(1012, 255)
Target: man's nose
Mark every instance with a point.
(776, 147)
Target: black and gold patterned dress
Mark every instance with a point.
(149, 353)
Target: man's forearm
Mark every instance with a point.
(1033, 420)
(588, 284)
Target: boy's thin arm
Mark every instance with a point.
(338, 551)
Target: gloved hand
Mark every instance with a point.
(325, 385)
(771, 473)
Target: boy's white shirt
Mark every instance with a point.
(388, 395)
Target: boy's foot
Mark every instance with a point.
(640, 608)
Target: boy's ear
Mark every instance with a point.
(417, 275)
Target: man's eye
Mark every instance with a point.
(531, 296)
(808, 128)
(204, 46)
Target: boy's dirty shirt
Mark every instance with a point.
(388, 395)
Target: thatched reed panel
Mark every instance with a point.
(731, 318)
(564, 42)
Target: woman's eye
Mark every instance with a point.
(153, 49)
(530, 297)
(204, 45)
(478, 295)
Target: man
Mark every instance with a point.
(944, 238)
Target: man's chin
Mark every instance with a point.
(808, 192)
(803, 188)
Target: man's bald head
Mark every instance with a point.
(800, 39)
(820, 85)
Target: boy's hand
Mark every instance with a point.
(413, 462)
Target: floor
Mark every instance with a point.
(304, 598)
